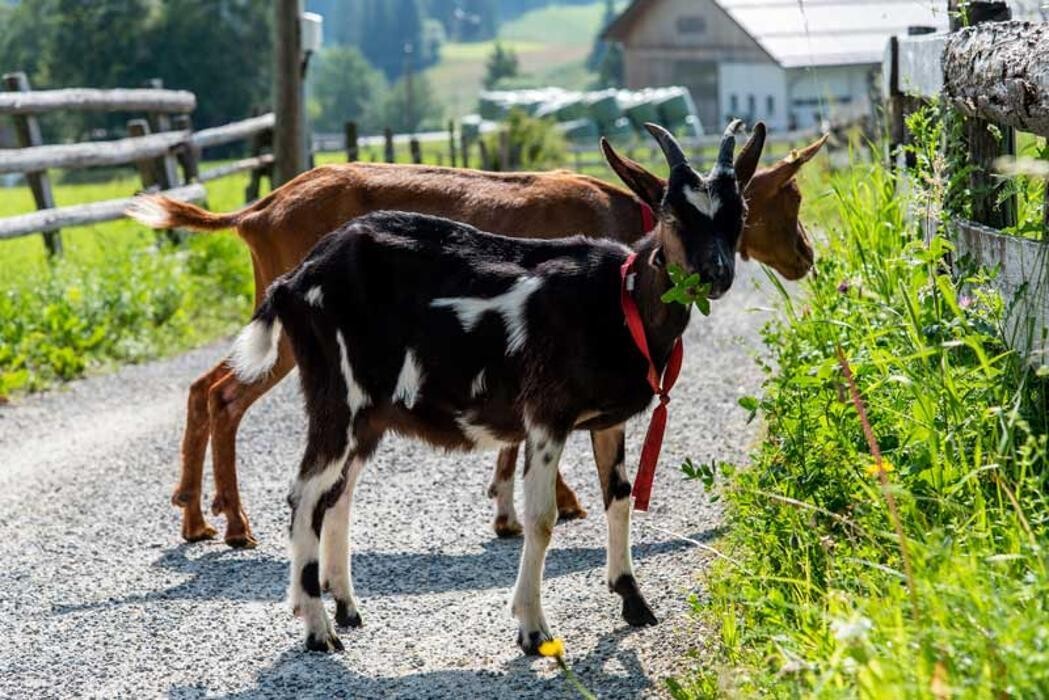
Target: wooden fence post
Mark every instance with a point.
(352, 151)
(981, 143)
(504, 151)
(416, 150)
(464, 148)
(259, 142)
(152, 172)
(387, 135)
(482, 153)
(451, 141)
(188, 155)
(28, 132)
(290, 148)
(159, 122)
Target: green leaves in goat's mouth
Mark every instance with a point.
(687, 290)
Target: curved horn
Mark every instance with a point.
(669, 145)
(728, 145)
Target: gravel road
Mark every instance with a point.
(99, 597)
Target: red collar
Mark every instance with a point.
(661, 386)
(648, 217)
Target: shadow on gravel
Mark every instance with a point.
(607, 671)
(230, 575)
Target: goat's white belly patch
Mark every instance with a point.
(479, 435)
(357, 398)
(510, 305)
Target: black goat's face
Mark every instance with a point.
(701, 216)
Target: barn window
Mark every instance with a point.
(733, 103)
(751, 106)
(770, 105)
(691, 24)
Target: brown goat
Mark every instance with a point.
(281, 228)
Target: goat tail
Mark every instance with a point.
(256, 348)
(158, 211)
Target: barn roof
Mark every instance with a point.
(813, 32)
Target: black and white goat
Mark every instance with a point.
(468, 340)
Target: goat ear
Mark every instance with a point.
(783, 170)
(646, 185)
(749, 157)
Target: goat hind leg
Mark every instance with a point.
(314, 492)
(187, 495)
(228, 401)
(336, 565)
(502, 490)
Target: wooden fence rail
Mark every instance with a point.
(91, 100)
(156, 155)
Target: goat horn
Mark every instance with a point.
(669, 145)
(728, 145)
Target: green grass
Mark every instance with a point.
(819, 596)
(116, 295)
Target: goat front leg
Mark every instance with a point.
(502, 490)
(228, 401)
(317, 488)
(337, 576)
(610, 455)
(542, 453)
(194, 445)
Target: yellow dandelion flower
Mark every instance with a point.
(873, 468)
(552, 647)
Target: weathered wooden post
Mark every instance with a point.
(482, 153)
(451, 141)
(387, 135)
(27, 130)
(416, 150)
(464, 148)
(188, 155)
(352, 150)
(259, 143)
(981, 142)
(290, 133)
(159, 122)
(504, 150)
(152, 172)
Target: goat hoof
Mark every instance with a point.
(326, 643)
(637, 613)
(242, 541)
(344, 618)
(576, 512)
(199, 533)
(506, 528)
(530, 644)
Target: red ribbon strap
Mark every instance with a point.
(661, 386)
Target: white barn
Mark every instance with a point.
(790, 63)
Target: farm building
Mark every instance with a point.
(789, 63)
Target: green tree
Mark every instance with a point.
(345, 87)
(502, 63)
(425, 112)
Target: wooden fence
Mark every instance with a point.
(160, 145)
(996, 75)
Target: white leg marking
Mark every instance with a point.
(255, 350)
(357, 398)
(618, 550)
(336, 564)
(409, 381)
(503, 493)
(510, 304)
(315, 296)
(540, 514)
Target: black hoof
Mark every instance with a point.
(530, 646)
(325, 644)
(635, 610)
(637, 613)
(343, 618)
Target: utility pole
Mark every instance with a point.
(289, 145)
(409, 90)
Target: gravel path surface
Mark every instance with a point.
(99, 597)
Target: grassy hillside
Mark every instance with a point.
(552, 44)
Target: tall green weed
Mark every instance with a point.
(815, 602)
